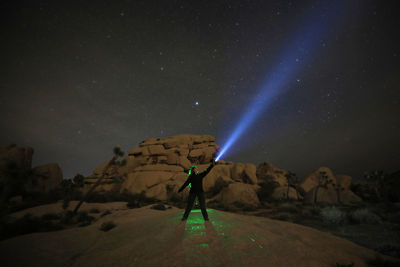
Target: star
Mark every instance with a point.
(196, 103)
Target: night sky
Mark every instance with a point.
(79, 77)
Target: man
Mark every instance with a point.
(196, 180)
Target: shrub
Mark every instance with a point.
(315, 211)
(389, 249)
(106, 226)
(364, 216)
(380, 262)
(158, 207)
(287, 208)
(285, 216)
(333, 216)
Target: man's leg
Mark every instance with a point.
(189, 205)
(203, 205)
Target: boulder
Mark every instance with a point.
(183, 152)
(137, 182)
(324, 195)
(244, 172)
(197, 139)
(311, 180)
(344, 181)
(216, 186)
(136, 152)
(266, 172)
(104, 187)
(156, 149)
(159, 167)
(329, 195)
(185, 163)
(348, 197)
(111, 171)
(47, 177)
(158, 191)
(209, 154)
(239, 193)
(281, 192)
(196, 155)
(151, 141)
(200, 146)
(214, 174)
(21, 156)
(178, 179)
(175, 141)
(172, 159)
(130, 166)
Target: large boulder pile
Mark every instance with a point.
(20, 156)
(336, 191)
(159, 166)
(16, 164)
(267, 173)
(46, 178)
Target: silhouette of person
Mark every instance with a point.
(195, 179)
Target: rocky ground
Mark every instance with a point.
(148, 237)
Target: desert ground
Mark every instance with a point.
(150, 237)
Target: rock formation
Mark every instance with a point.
(338, 190)
(21, 156)
(17, 161)
(267, 173)
(158, 167)
(47, 177)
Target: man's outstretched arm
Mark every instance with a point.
(184, 185)
(209, 168)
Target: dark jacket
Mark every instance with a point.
(196, 181)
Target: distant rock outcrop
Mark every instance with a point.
(47, 177)
(21, 156)
(267, 173)
(336, 191)
(16, 172)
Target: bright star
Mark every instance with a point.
(196, 103)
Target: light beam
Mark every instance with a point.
(307, 39)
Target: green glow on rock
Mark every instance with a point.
(197, 210)
(252, 239)
(197, 227)
(202, 245)
(260, 246)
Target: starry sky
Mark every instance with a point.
(79, 77)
